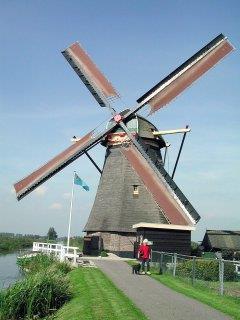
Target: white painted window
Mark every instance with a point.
(135, 190)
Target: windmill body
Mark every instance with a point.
(122, 199)
(135, 192)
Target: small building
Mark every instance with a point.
(166, 237)
(218, 240)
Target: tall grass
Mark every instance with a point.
(45, 289)
(42, 262)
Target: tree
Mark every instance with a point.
(195, 249)
(52, 234)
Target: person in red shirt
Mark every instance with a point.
(144, 255)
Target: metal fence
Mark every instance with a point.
(217, 274)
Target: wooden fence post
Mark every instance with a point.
(161, 264)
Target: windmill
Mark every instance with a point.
(133, 158)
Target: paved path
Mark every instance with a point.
(156, 300)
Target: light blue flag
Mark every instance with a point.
(80, 182)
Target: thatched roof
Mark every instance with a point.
(222, 239)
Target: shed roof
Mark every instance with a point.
(162, 226)
(223, 239)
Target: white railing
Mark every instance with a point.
(62, 252)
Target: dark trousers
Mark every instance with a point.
(145, 262)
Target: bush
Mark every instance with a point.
(1, 302)
(41, 262)
(231, 254)
(228, 254)
(38, 295)
(104, 254)
(207, 270)
(237, 255)
(195, 249)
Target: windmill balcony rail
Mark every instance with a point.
(63, 253)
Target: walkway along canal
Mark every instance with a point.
(9, 272)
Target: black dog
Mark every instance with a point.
(136, 268)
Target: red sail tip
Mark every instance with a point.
(181, 78)
(89, 73)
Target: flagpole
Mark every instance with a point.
(70, 213)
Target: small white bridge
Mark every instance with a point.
(63, 253)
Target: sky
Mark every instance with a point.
(136, 44)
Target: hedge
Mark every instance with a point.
(206, 270)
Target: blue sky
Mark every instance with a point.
(136, 43)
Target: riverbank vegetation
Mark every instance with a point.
(42, 262)
(11, 242)
(44, 289)
(50, 291)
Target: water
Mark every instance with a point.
(9, 272)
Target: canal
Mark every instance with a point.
(9, 271)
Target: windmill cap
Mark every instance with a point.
(145, 241)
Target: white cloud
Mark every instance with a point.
(40, 191)
(66, 195)
(55, 206)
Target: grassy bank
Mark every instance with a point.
(225, 304)
(44, 289)
(96, 298)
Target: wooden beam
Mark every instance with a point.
(76, 139)
(163, 132)
(93, 162)
(179, 153)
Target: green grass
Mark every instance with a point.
(208, 255)
(225, 304)
(97, 298)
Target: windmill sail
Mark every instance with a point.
(32, 181)
(89, 73)
(157, 97)
(177, 209)
(181, 78)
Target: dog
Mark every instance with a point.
(136, 268)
